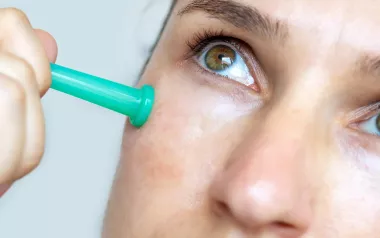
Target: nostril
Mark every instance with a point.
(222, 209)
(278, 227)
(283, 229)
(283, 225)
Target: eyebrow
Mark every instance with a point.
(240, 16)
(369, 64)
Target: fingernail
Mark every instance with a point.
(3, 189)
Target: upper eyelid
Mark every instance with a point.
(201, 46)
(204, 35)
(202, 40)
(363, 113)
(216, 43)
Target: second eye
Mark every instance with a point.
(223, 59)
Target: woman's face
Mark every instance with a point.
(266, 125)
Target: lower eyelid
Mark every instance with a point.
(233, 85)
(245, 52)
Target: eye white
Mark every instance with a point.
(370, 126)
(237, 69)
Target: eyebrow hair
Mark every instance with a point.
(240, 16)
(369, 64)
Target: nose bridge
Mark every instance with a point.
(281, 138)
(278, 150)
(266, 180)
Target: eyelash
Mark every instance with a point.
(363, 114)
(202, 39)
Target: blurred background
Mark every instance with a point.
(67, 195)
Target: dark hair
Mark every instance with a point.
(158, 38)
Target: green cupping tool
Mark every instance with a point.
(135, 103)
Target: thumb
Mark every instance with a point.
(49, 43)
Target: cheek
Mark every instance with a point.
(353, 191)
(186, 140)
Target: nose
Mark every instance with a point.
(265, 184)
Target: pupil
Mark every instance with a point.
(219, 58)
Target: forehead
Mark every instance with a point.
(368, 9)
(356, 22)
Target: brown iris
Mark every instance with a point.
(220, 57)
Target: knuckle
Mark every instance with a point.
(13, 16)
(7, 175)
(12, 93)
(33, 159)
(45, 84)
(16, 67)
(8, 171)
(26, 72)
(28, 164)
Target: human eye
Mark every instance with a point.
(371, 125)
(226, 57)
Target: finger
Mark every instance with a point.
(49, 44)
(12, 123)
(4, 188)
(34, 126)
(18, 37)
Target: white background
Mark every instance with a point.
(67, 195)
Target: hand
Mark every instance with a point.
(24, 78)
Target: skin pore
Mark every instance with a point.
(265, 125)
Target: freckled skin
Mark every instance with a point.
(216, 160)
